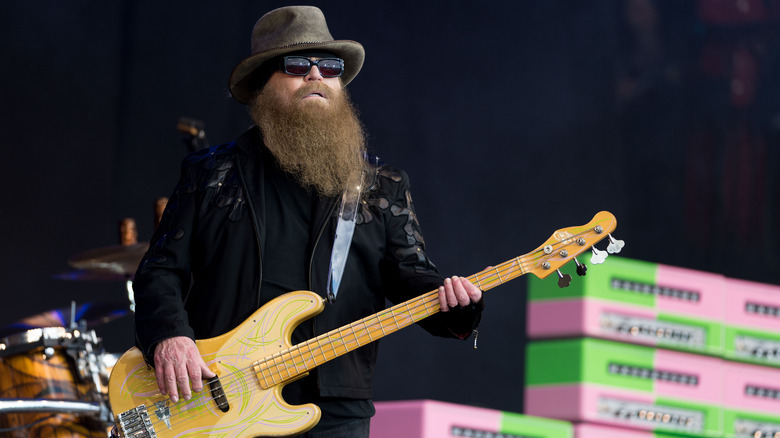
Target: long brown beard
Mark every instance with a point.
(322, 147)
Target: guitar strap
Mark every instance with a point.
(344, 230)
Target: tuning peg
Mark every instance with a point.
(581, 269)
(615, 245)
(563, 279)
(598, 256)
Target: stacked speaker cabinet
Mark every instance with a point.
(752, 365)
(435, 419)
(637, 349)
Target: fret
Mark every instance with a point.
(395, 319)
(311, 354)
(260, 371)
(499, 274)
(416, 314)
(274, 368)
(332, 348)
(408, 311)
(427, 309)
(286, 359)
(295, 363)
(381, 327)
(354, 334)
(392, 319)
(489, 279)
(339, 336)
(276, 361)
(411, 307)
(368, 332)
(322, 352)
(520, 265)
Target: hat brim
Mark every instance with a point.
(242, 89)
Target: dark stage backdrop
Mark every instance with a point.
(513, 118)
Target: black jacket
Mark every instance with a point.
(202, 274)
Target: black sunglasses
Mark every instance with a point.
(300, 66)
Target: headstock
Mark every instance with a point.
(567, 243)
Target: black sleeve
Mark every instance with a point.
(409, 271)
(163, 277)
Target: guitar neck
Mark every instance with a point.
(561, 247)
(299, 359)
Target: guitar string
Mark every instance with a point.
(231, 385)
(231, 382)
(229, 388)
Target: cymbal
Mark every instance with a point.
(90, 313)
(116, 259)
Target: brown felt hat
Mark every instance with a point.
(291, 29)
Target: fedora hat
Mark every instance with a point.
(291, 29)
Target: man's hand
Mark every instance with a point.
(177, 361)
(458, 291)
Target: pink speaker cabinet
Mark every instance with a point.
(751, 401)
(434, 419)
(752, 322)
(632, 301)
(625, 385)
(592, 430)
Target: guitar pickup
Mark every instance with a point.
(218, 394)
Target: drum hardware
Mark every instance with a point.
(78, 345)
(56, 370)
(56, 381)
(99, 410)
(55, 377)
(76, 317)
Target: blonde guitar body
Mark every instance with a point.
(254, 408)
(255, 360)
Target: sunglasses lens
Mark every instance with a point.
(296, 66)
(331, 67)
(300, 66)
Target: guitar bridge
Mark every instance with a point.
(134, 423)
(218, 394)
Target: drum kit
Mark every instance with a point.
(54, 371)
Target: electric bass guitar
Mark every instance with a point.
(255, 360)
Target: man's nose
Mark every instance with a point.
(314, 74)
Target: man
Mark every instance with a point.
(257, 218)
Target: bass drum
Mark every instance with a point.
(36, 365)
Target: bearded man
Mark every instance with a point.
(293, 204)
